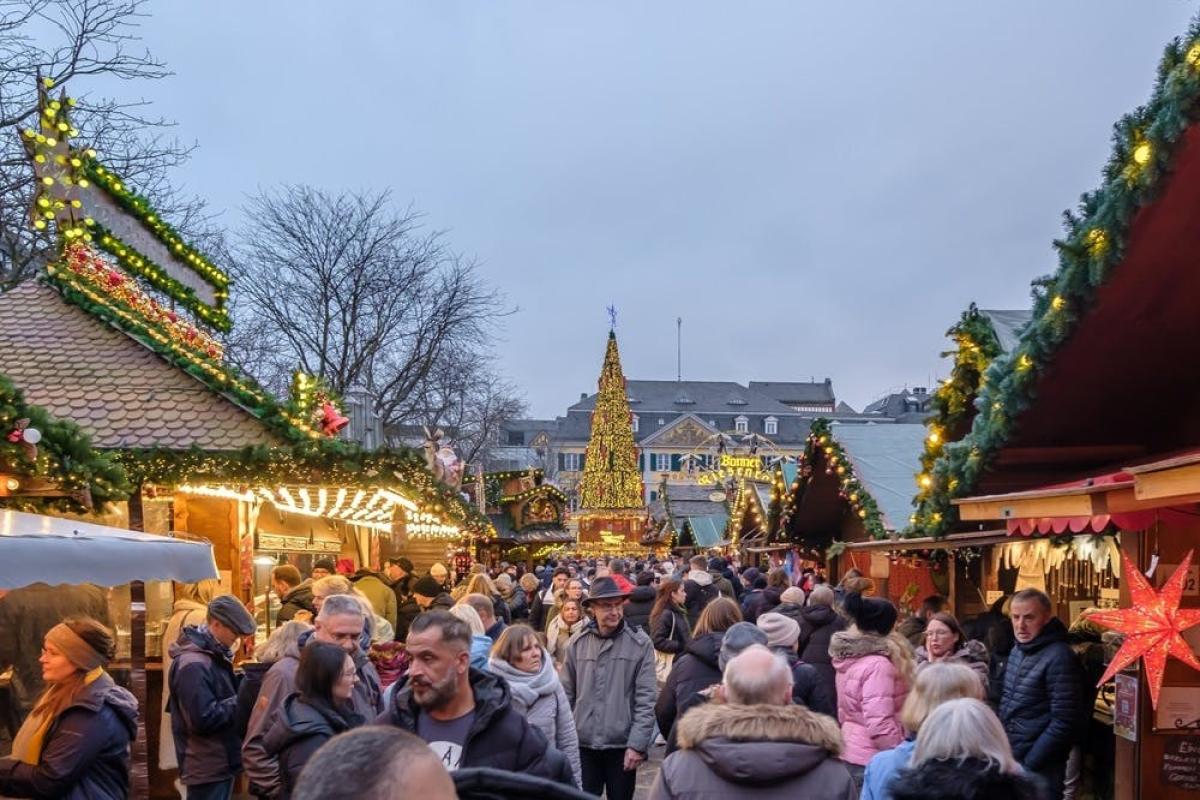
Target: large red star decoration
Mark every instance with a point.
(1153, 625)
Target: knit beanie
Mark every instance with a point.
(427, 587)
(739, 636)
(781, 631)
(871, 614)
(793, 595)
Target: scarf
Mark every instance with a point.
(27, 746)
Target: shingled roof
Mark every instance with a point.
(120, 392)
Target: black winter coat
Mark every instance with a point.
(298, 599)
(638, 607)
(299, 728)
(693, 671)
(499, 737)
(973, 779)
(204, 708)
(409, 611)
(1042, 702)
(818, 624)
(671, 631)
(754, 603)
(253, 673)
(85, 754)
(809, 690)
(518, 604)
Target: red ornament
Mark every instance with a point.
(1152, 626)
(331, 420)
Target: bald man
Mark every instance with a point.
(795, 751)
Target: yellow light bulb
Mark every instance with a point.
(50, 140)
(1142, 153)
(1058, 303)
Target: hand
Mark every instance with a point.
(632, 759)
(303, 616)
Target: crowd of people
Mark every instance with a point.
(557, 682)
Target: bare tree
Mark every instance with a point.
(464, 397)
(346, 288)
(74, 42)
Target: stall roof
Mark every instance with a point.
(708, 531)
(39, 549)
(886, 460)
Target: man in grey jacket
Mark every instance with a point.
(609, 679)
(339, 622)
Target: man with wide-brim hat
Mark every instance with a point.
(609, 679)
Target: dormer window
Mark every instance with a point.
(741, 425)
(770, 426)
(635, 423)
(736, 400)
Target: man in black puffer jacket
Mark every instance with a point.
(1042, 701)
(465, 715)
(641, 602)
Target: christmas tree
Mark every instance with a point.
(611, 479)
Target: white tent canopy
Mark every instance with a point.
(38, 549)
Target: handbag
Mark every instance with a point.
(663, 661)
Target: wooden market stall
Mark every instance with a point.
(111, 367)
(1087, 434)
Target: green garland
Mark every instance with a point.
(137, 264)
(323, 461)
(1093, 244)
(822, 444)
(953, 403)
(64, 455)
(141, 210)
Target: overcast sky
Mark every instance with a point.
(818, 189)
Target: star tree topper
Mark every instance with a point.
(1152, 626)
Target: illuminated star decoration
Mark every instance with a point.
(1152, 626)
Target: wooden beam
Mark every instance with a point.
(1173, 482)
(1058, 505)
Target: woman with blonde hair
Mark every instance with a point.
(537, 694)
(874, 671)
(935, 684)
(75, 742)
(963, 752)
(481, 644)
(191, 608)
(480, 583)
(570, 621)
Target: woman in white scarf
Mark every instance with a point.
(519, 658)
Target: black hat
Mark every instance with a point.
(872, 614)
(325, 564)
(604, 589)
(427, 587)
(230, 612)
(717, 564)
(403, 563)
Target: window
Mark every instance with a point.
(570, 462)
(516, 438)
(741, 425)
(635, 423)
(661, 462)
(770, 426)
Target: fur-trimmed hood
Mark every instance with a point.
(759, 744)
(851, 644)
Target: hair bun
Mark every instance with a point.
(853, 603)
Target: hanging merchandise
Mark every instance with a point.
(1152, 626)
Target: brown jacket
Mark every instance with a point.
(732, 751)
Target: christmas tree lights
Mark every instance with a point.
(611, 479)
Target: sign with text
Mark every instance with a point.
(730, 466)
(1125, 707)
(1181, 763)
(1178, 710)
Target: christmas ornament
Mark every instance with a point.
(1152, 626)
(330, 420)
(27, 437)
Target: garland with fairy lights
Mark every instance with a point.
(953, 403)
(822, 445)
(322, 461)
(61, 453)
(143, 266)
(1094, 243)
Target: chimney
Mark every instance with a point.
(365, 426)
(582, 396)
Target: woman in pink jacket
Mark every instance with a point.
(874, 671)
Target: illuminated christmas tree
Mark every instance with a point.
(611, 479)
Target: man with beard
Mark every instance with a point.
(340, 621)
(463, 714)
